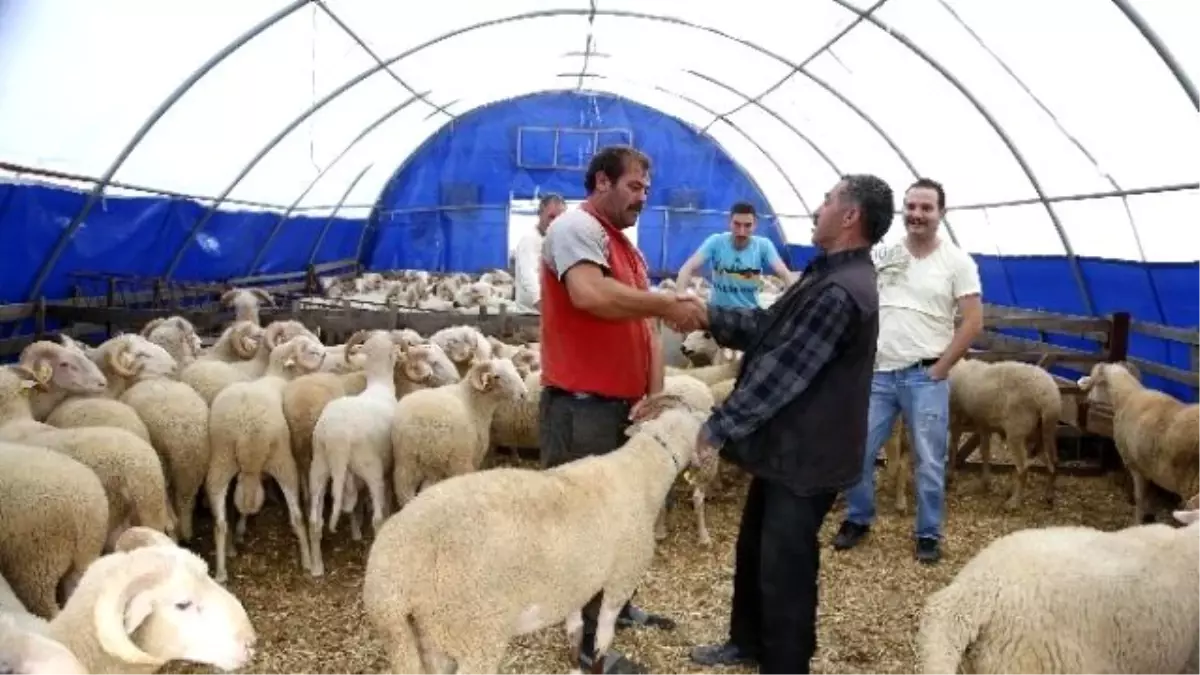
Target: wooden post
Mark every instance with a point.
(109, 301)
(1118, 338)
(39, 317)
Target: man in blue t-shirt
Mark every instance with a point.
(736, 261)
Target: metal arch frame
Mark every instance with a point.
(1072, 261)
(707, 110)
(68, 233)
(1139, 22)
(366, 131)
(859, 17)
(312, 254)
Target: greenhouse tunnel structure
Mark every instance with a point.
(212, 140)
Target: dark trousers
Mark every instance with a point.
(570, 428)
(775, 577)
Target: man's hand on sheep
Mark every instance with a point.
(688, 314)
(706, 452)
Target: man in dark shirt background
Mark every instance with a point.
(796, 421)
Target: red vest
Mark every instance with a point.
(583, 353)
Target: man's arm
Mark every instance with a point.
(776, 263)
(693, 263)
(658, 370)
(734, 327)
(574, 248)
(967, 293)
(777, 377)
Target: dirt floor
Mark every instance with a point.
(870, 597)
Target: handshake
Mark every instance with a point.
(686, 314)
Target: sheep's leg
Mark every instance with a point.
(1050, 456)
(702, 535)
(574, 627)
(216, 487)
(38, 582)
(406, 478)
(985, 461)
(239, 530)
(318, 480)
(185, 508)
(352, 506)
(1020, 455)
(1139, 497)
(660, 524)
(373, 478)
(282, 467)
(606, 626)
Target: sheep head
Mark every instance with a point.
(1096, 384)
(527, 361)
(671, 421)
(1187, 517)
(407, 337)
(280, 332)
(185, 335)
(132, 356)
(164, 595)
(498, 377)
(81, 347)
(52, 366)
(300, 355)
(244, 338)
(375, 345)
(699, 347)
(462, 344)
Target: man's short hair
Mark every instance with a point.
(931, 184)
(742, 208)
(548, 199)
(612, 161)
(876, 203)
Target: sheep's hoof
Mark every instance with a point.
(318, 570)
(705, 540)
(1012, 504)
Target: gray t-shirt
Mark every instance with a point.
(574, 237)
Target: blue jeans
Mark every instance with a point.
(925, 404)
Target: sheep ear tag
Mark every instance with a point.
(43, 372)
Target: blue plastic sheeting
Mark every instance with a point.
(139, 235)
(445, 208)
(1045, 283)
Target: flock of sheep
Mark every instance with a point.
(104, 451)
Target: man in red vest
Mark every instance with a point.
(601, 353)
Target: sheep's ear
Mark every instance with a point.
(1187, 517)
(482, 376)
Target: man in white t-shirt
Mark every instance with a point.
(527, 256)
(922, 281)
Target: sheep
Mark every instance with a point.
(1157, 436)
(352, 441)
(464, 345)
(303, 400)
(238, 342)
(127, 466)
(67, 407)
(701, 349)
(246, 302)
(53, 522)
(484, 557)
(174, 413)
(23, 647)
(443, 432)
(210, 377)
(1019, 400)
(177, 335)
(249, 436)
(698, 396)
(721, 390)
(709, 375)
(151, 602)
(1070, 600)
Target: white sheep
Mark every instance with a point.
(249, 436)
(481, 558)
(209, 377)
(352, 441)
(1071, 600)
(515, 424)
(1016, 399)
(238, 342)
(464, 345)
(697, 395)
(150, 602)
(53, 522)
(709, 375)
(127, 466)
(62, 405)
(246, 302)
(1157, 435)
(443, 432)
(142, 373)
(701, 349)
(177, 335)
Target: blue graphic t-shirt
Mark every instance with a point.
(737, 274)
